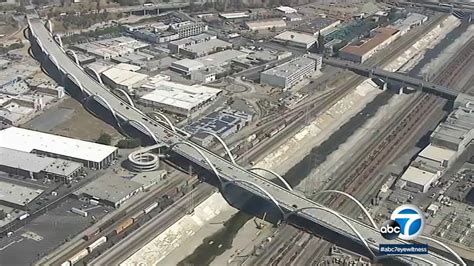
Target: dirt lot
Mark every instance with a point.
(82, 124)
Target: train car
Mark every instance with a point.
(150, 208)
(91, 233)
(81, 254)
(96, 243)
(124, 225)
(136, 216)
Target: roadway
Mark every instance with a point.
(287, 201)
(390, 77)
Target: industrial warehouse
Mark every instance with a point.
(177, 98)
(92, 155)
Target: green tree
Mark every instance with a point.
(129, 143)
(105, 139)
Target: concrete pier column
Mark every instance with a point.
(400, 91)
(384, 86)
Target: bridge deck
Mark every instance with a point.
(286, 199)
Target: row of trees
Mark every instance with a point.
(126, 143)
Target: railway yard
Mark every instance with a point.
(255, 86)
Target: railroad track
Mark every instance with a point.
(380, 152)
(386, 147)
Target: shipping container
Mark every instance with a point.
(97, 243)
(23, 216)
(79, 211)
(151, 207)
(91, 233)
(137, 215)
(74, 259)
(123, 225)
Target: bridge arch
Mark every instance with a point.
(130, 101)
(79, 84)
(97, 75)
(50, 26)
(286, 184)
(226, 148)
(361, 206)
(344, 220)
(59, 40)
(456, 255)
(166, 119)
(198, 150)
(74, 55)
(150, 133)
(274, 201)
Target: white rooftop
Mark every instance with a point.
(17, 194)
(294, 36)
(418, 176)
(436, 153)
(129, 67)
(179, 95)
(29, 140)
(124, 77)
(286, 9)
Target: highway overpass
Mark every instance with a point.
(401, 79)
(225, 171)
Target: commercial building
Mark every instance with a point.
(296, 39)
(223, 123)
(265, 24)
(216, 60)
(111, 190)
(419, 180)
(110, 48)
(434, 158)
(175, 46)
(288, 74)
(360, 51)
(160, 33)
(123, 79)
(90, 154)
(286, 9)
(204, 48)
(235, 15)
(457, 132)
(412, 20)
(38, 167)
(17, 196)
(188, 28)
(321, 25)
(177, 98)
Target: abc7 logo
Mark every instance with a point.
(406, 222)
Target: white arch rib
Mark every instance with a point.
(130, 101)
(344, 220)
(93, 96)
(261, 189)
(446, 247)
(226, 148)
(196, 148)
(150, 133)
(355, 201)
(60, 41)
(79, 84)
(167, 120)
(286, 184)
(50, 26)
(74, 55)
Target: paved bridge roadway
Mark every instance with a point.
(393, 77)
(287, 200)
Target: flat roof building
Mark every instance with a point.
(177, 98)
(286, 9)
(457, 132)
(418, 179)
(123, 79)
(175, 46)
(90, 154)
(204, 48)
(234, 15)
(296, 39)
(111, 190)
(37, 167)
(17, 196)
(219, 59)
(110, 48)
(265, 24)
(360, 51)
(290, 73)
